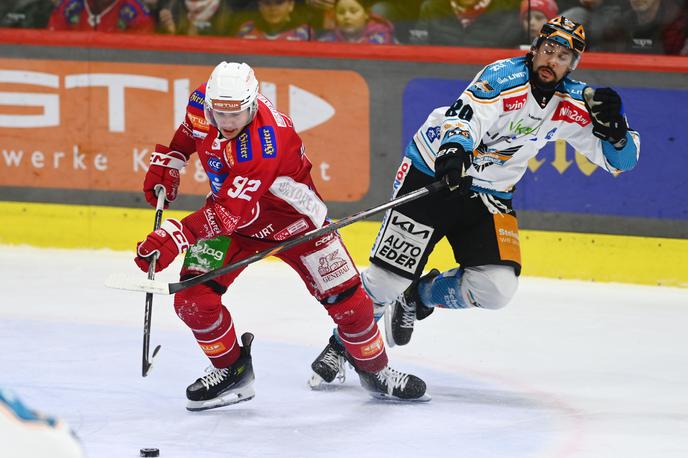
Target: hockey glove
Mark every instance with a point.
(167, 242)
(451, 164)
(608, 121)
(164, 168)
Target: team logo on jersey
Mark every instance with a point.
(244, 153)
(484, 157)
(568, 112)
(268, 142)
(515, 103)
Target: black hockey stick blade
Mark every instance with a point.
(120, 281)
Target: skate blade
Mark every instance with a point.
(390, 398)
(389, 310)
(225, 400)
(317, 383)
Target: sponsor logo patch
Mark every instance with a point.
(268, 142)
(402, 171)
(197, 99)
(403, 242)
(330, 266)
(515, 103)
(216, 181)
(568, 112)
(215, 164)
(244, 153)
(226, 105)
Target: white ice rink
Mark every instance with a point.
(568, 369)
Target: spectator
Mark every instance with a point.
(28, 14)
(356, 24)
(534, 14)
(276, 21)
(464, 23)
(102, 15)
(650, 26)
(596, 16)
(196, 17)
(401, 13)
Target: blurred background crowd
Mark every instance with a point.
(634, 26)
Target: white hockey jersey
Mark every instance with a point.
(498, 118)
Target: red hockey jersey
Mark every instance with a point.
(260, 181)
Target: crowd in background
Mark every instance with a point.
(636, 26)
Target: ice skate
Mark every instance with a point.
(392, 385)
(222, 387)
(401, 315)
(329, 365)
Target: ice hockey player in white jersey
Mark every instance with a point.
(481, 146)
(27, 433)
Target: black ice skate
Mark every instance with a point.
(406, 309)
(329, 365)
(392, 385)
(222, 387)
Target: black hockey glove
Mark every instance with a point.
(451, 164)
(608, 122)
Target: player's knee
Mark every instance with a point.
(353, 311)
(489, 287)
(199, 306)
(382, 285)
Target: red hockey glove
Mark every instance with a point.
(164, 168)
(167, 242)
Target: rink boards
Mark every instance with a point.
(597, 257)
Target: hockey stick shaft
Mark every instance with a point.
(430, 189)
(146, 362)
(120, 281)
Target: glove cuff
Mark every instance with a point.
(165, 157)
(179, 234)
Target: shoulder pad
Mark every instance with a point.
(573, 88)
(500, 76)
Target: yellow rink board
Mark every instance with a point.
(597, 257)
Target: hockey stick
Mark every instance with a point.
(147, 363)
(120, 281)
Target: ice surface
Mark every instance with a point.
(568, 369)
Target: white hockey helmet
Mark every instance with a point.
(231, 88)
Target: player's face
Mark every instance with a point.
(551, 62)
(351, 17)
(276, 12)
(231, 123)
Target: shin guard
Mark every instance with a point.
(359, 332)
(211, 324)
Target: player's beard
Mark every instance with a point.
(545, 85)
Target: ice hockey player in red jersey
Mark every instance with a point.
(261, 194)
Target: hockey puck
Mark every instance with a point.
(150, 452)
